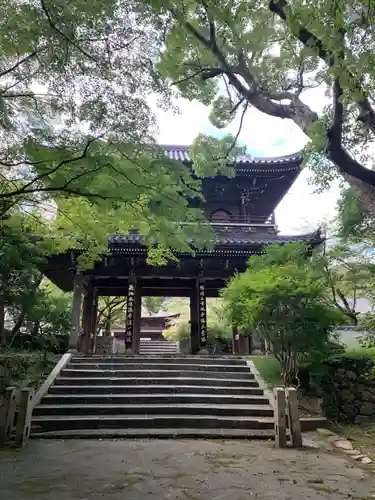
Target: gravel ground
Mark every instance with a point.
(178, 469)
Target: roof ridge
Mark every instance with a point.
(182, 153)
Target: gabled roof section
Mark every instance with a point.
(242, 161)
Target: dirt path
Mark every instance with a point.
(189, 470)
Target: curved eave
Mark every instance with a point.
(244, 164)
(126, 243)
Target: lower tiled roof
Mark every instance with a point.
(239, 238)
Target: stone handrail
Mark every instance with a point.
(42, 391)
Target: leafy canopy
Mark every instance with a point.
(77, 133)
(243, 54)
(283, 299)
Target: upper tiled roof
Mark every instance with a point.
(181, 153)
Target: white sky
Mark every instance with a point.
(301, 209)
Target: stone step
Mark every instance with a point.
(148, 351)
(159, 398)
(151, 380)
(173, 348)
(154, 409)
(68, 372)
(155, 433)
(146, 341)
(163, 345)
(179, 421)
(168, 360)
(155, 389)
(155, 366)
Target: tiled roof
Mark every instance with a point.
(232, 238)
(181, 153)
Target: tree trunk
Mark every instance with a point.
(17, 326)
(364, 192)
(2, 322)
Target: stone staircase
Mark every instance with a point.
(154, 396)
(158, 347)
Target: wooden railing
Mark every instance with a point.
(243, 220)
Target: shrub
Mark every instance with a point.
(347, 386)
(24, 369)
(283, 298)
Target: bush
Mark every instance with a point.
(311, 365)
(27, 369)
(347, 386)
(218, 339)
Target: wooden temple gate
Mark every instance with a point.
(241, 211)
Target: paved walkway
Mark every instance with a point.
(188, 470)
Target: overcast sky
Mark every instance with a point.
(301, 209)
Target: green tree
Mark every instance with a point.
(349, 275)
(283, 298)
(111, 311)
(219, 332)
(77, 133)
(354, 223)
(20, 277)
(153, 304)
(264, 54)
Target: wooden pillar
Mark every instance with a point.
(194, 322)
(137, 318)
(88, 303)
(251, 343)
(235, 337)
(76, 312)
(243, 345)
(202, 313)
(133, 310)
(94, 318)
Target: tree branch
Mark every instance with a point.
(62, 34)
(18, 63)
(308, 39)
(38, 178)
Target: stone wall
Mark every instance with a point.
(347, 387)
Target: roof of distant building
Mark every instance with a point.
(182, 153)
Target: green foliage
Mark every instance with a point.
(270, 370)
(282, 297)
(153, 304)
(211, 156)
(77, 131)
(111, 312)
(257, 53)
(218, 331)
(354, 222)
(24, 369)
(346, 384)
(349, 275)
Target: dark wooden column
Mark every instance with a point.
(129, 317)
(235, 337)
(94, 318)
(202, 311)
(88, 303)
(75, 326)
(137, 318)
(243, 345)
(194, 322)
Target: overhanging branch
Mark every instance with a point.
(308, 39)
